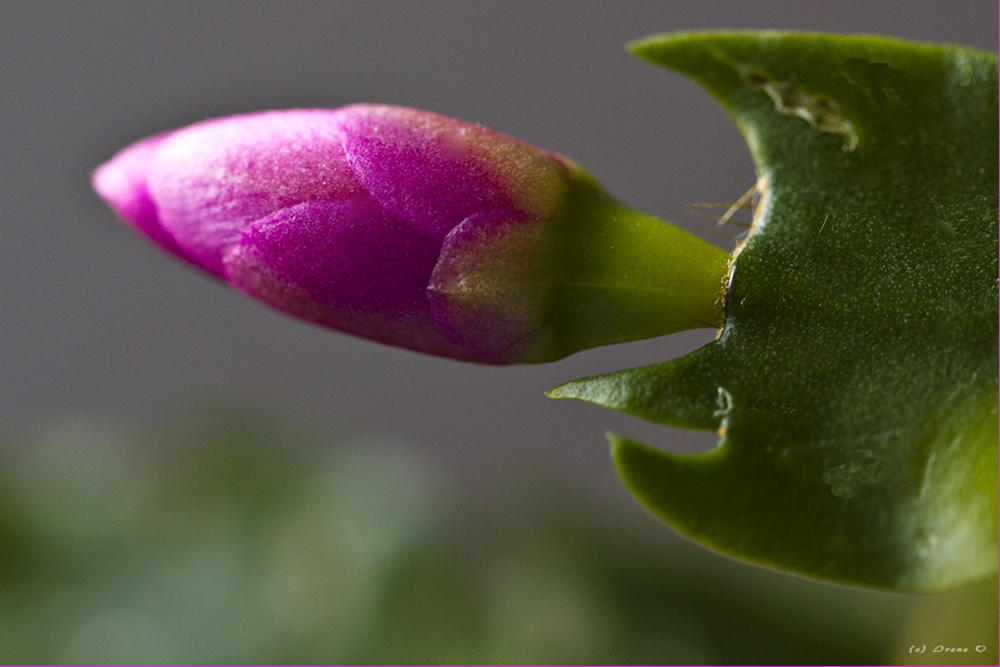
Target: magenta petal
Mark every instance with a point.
(212, 179)
(121, 183)
(344, 264)
(422, 167)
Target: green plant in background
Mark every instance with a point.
(230, 536)
(854, 379)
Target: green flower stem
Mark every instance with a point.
(627, 276)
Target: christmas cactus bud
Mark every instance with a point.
(416, 230)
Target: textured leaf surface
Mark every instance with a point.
(854, 383)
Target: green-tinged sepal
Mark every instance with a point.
(854, 383)
(596, 273)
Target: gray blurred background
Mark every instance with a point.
(96, 322)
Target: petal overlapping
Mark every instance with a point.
(339, 217)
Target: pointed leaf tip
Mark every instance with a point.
(681, 392)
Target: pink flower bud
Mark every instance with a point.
(341, 217)
(393, 224)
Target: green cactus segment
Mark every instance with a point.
(855, 381)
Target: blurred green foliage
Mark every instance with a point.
(235, 538)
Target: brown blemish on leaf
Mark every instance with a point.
(819, 112)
